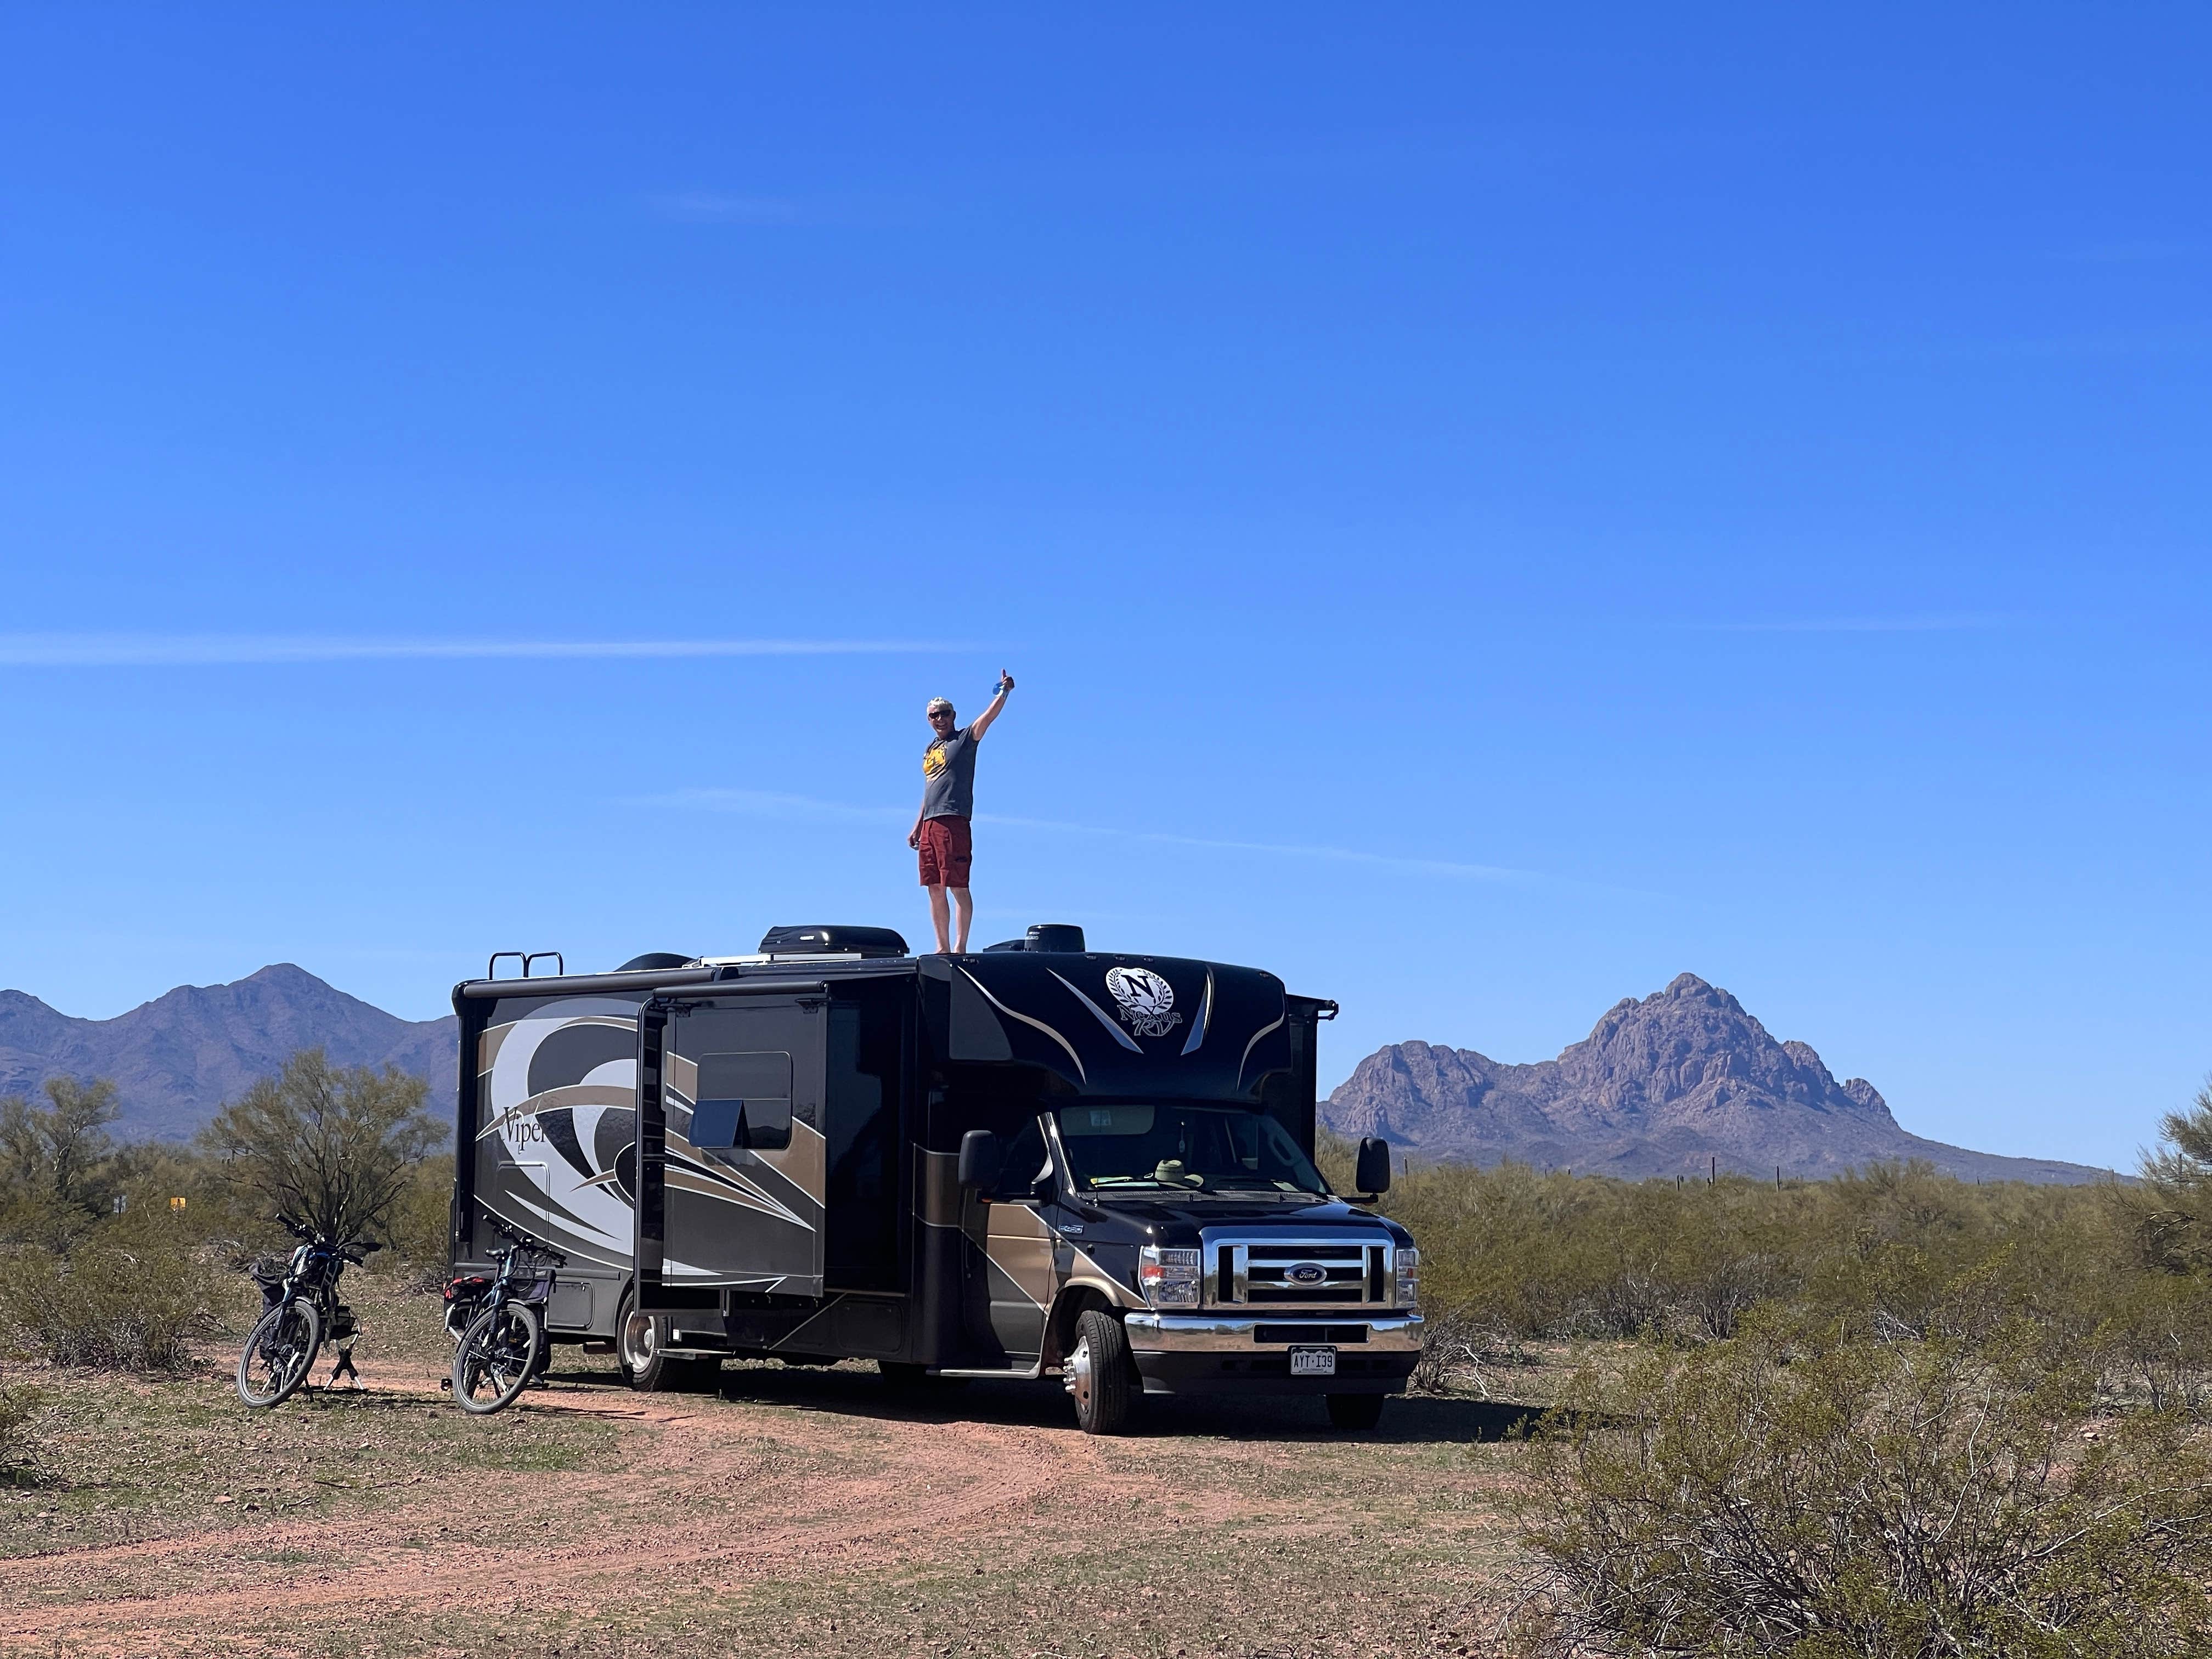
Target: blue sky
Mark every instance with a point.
(1487, 512)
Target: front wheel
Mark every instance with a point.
(1102, 1377)
(1355, 1411)
(497, 1356)
(278, 1354)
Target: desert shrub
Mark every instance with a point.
(2154, 1343)
(1888, 1500)
(121, 1303)
(19, 1410)
(1886, 1250)
(418, 1230)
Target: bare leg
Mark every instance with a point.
(965, 904)
(942, 918)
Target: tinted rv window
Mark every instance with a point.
(1164, 1147)
(866, 1052)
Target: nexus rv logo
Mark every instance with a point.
(1147, 1001)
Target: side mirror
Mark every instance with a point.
(981, 1159)
(1373, 1173)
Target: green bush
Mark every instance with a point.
(1871, 1500)
(117, 1302)
(19, 1410)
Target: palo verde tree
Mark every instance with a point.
(56, 1161)
(2171, 1212)
(333, 1146)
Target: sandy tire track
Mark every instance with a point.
(572, 1535)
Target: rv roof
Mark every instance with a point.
(784, 955)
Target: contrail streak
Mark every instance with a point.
(754, 803)
(217, 650)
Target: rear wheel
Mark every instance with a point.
(1102, 1377)
(640, 1349)
(1354, 1410)
(278, 1354)
(497, 1358)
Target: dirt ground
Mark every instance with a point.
(798, 1511)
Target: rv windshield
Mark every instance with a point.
(1184, 1149)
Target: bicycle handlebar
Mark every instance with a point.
(523, 1241)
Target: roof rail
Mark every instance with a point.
(526, 957)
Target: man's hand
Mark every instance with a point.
(983, 721)
(913, 835)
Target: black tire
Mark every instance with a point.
(279, 1353)
(497, 1358)
(1355, 1411)
(1102, 1377)
(639, 1343)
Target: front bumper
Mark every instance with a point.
(1239, 1353)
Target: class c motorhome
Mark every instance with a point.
(1033, 1161)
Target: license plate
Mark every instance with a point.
(1313, 1362)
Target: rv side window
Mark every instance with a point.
(1026, 1160)
(744, 1100)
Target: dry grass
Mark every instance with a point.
(800, 1512)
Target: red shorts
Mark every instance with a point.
(946, 851)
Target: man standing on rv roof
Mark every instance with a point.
(948, 800)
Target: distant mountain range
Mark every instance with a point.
(1664, 1086)
(176, 1059)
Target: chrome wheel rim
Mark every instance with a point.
(637, 1342)
(1079, 1374)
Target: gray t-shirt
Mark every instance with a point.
(948, 776)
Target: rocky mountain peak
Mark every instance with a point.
(1672, 1083)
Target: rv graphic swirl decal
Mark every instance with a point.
(1147, 1001)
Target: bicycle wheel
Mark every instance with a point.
(496, 1356)
(279, 1353)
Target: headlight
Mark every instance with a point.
(1169, 1279)
(1409, 1260)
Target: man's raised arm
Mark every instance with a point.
(982, 722)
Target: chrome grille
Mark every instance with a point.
(1264, 1270)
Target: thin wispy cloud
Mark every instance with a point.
(715, 208)
(753, 802)
(759, 210)
(1921, 624)
(1335, 854)
(765, 804)
(2142, 251)
(215, 650)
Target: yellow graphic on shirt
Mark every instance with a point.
(932, 760)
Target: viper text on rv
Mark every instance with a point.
(1034, 1161)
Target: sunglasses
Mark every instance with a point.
(940, 714)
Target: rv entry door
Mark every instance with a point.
(730, 1152)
